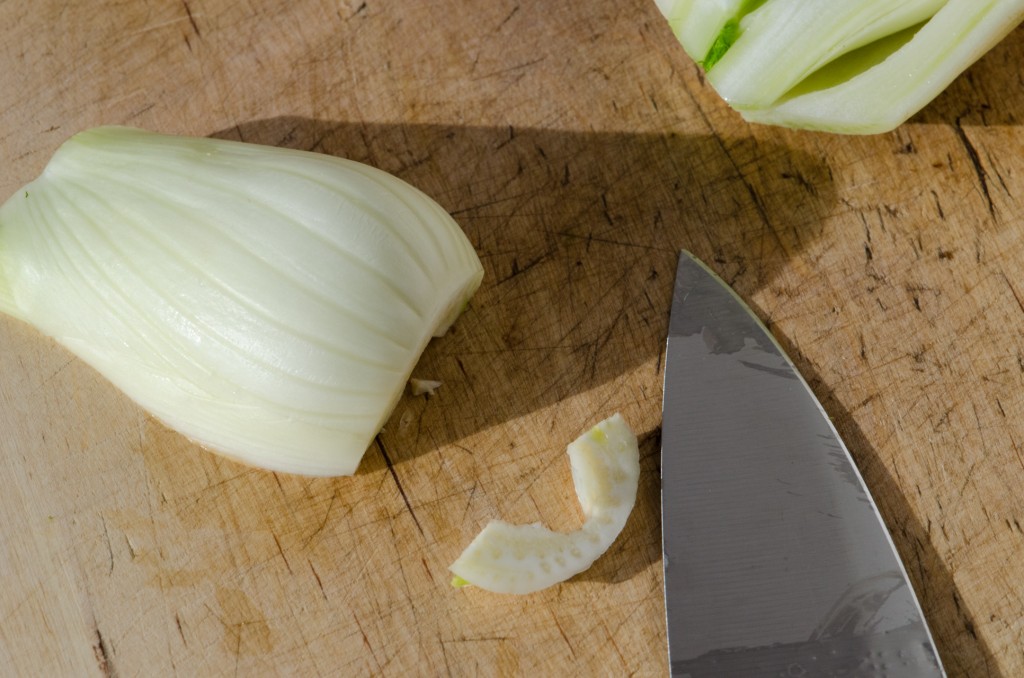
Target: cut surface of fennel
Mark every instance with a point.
(789, 40)
(268, 303)
(855, 67)
(506, 558)
(884, 95)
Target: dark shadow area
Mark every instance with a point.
(962, 651)
(579, 234)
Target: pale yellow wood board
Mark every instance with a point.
(579, 149)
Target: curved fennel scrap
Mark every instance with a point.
(507, 558)
(268, 303)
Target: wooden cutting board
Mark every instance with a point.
(579, 149)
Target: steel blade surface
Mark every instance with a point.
(776, 559)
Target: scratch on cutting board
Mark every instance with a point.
(245, 626)
(191, 19)
(319, 582)
(158, 26)
(401, 490)
(323, 523)
(102, 653)
(979, 169)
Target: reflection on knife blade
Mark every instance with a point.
(776, 559)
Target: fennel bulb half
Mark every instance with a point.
(854, 67)
(268, 303)
(506, 558)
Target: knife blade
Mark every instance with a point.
(777, 561)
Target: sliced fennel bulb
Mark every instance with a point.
(790, 39)
(884, 96)
(507, 558)
(858, 66)
(268, 303)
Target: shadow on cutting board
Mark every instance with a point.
(579, 235)
(953, 626)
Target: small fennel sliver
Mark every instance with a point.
(506, 558)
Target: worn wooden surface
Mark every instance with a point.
(579, 149)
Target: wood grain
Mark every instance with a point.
(580, 150)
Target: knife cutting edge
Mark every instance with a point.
(776, 559)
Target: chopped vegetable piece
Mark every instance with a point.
(420, 387)
(507, 558)
(268, 303)
(858, 66)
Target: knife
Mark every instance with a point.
(777, 562)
